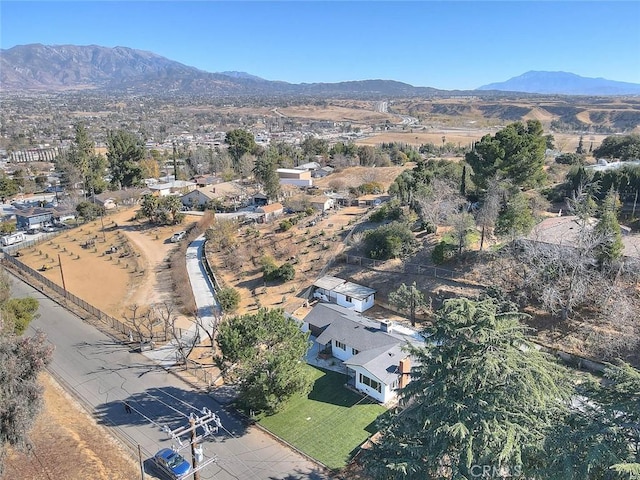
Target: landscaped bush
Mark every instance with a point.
(285, 225)
(443, 252)
(388, 241)
(229, 299)
(271, 272)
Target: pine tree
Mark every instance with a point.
(481, 395)
(601, 438)
(408, 299)
(608, 231)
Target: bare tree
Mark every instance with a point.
(463, 224)
(438, 202)
(184, 343)
(136, 320)
(490, 207)
(210, 329)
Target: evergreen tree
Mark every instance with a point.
(265, 171)
(517, 151)
(124, 152)
(600, 439)
(264, 354)
(608, 230)
(480, 395)
(516, 217)
(408, 299)
(240, 142)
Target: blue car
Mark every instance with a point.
(172, 463)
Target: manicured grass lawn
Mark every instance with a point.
(329, 423)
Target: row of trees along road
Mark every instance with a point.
(484, 402)
(22, 358)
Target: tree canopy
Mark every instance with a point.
(517, 151)
(625, 147)
(124, 152)
(21, 361)
(480, 394)
(389, 241)
(601, 438)
(264, 354)
(240, 142)
(408, 299)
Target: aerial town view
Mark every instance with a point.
(319, 240)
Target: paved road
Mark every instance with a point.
(103, 374)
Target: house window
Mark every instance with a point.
(369, 382)
(348, 299)
(354, 351)
(340, 345)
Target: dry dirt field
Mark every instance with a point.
(312, 243)
(109, 281)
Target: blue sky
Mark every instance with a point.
(442, 44)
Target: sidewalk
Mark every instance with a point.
(167, 355)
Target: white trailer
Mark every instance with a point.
(11, 239)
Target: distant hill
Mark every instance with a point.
(48, 68)
(563, 83)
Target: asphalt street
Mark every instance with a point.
(104, 374)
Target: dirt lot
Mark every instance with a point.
(110, 268)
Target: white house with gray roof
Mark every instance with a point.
(371, 351)
(344, 293)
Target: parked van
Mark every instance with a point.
(11, 239)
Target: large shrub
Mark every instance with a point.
(389, 241)
(229, 299)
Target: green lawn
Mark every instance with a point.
(329, 423)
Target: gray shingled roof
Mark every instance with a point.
(357, 334)
(324, 314)
(382, 362)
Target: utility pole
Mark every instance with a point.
(194, 449)
(141, 463)
(64, 287)
(195, 422)
(175, 162)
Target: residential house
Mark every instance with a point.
(371, 351)
(372, 200)
(344, 293)
(37, 217)
(33, 217)
(322, 202)
(259, 199)
(113, 199)
(271, 211)
(311, 166)
(322, 172)
(229, 194)
(174, 187)
(566, 231)
(198, 198)
(206, 180)
(291, 176)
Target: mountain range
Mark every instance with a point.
(563, 83)
(50, 68)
